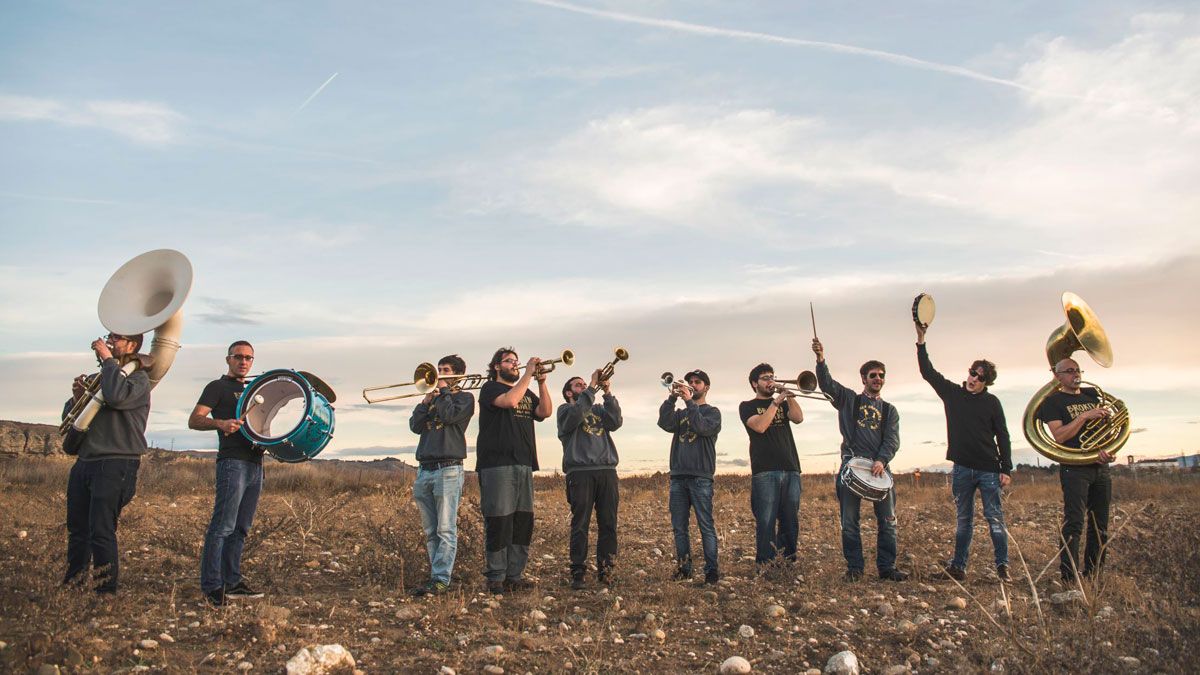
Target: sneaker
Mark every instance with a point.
(215, 598)
(1002, 573)
(711, 578)
(951, 572)
(422, 590)
(495, 587)
(893, 575)
(577, 582)
(852, 575)
(683, 572)
(517, 585)
(241, 590)
(439, 588)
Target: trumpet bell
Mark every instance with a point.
(621, 353)
(568, 357)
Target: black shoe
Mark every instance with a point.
(241, 590)
(951, 572)
(894, 575)
(1002, 573)
(422, 590)
(215, 598)
(495, 587)
(852, 575)
(682, 573)
(577, 583)
(604, 576)
(711, 578)
(517, 585)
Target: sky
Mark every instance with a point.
(361, 187)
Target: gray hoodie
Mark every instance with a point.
(870, 427)
(119, 428)
(585, 427)
(694, 446)
(443, 426)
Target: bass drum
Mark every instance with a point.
(295, 420)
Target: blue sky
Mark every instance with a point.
(678, 178)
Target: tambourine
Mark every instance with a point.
(923, 310)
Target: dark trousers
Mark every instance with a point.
(588, 490)
(885, 536)
(238, 486)
(775, 502)
(1087, 493)
(97, 490)
(693, 493)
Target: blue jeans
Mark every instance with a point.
(238, 486)
(97, 490)
(775, 501)
(965, 481)
(693, 493)
(436, 492)
(885, 540)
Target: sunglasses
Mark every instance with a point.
(876, 376)
(976, 375)
(1070, 371)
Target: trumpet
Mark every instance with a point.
(606, 373)
(675, 386)
(425, 379)
(804, 386)
(567, 359)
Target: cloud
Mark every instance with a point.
(144, 122)
(733, 462)
(1138, 430)
(228, 312)
(373, 451)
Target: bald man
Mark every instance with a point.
(1087, 489)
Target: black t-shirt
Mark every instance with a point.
(506, 434)
(222, 396)
(1066, 407)
(774, 449)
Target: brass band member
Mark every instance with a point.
(775, 465)
(590, 464)
(441, 419)
(104, 477)
(1087, 490)
(694, 432)
(506, 457)
(977, 443)
(870, 428)
(239, 479)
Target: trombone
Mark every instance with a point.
(425, 379)
(804, 386)
(668, 380)
(567, 359)
(606, 373)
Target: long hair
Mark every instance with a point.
(496, 358)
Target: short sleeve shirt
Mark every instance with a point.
(775, 448)
(506, 435)
(1066, 407)
(222, 396)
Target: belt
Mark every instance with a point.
(433, 466)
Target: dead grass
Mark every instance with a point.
(336, 546)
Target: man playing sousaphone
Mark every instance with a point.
(441, 419)
(104, 477)
(1087, 489)
(590, 463)
(870, 429)
(506, 457)
(977, 443)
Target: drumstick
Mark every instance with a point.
(813, 316)
(257, 400)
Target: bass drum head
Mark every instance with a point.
(923, 309)
(287, 402)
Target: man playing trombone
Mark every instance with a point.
(441, 419)
(506, 457)
(694, 432)
(774, 465)
(870, 428)
(590, 463)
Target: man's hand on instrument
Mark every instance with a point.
(818, 349)
(1005, 480)
(78, 386)
(921, 328)
(781, 396)
(1106, 458)
(595, 379)
(877, 469)
(535, 367)
(429, 397)
(606, 385)
(228, 427)
(101, 348)
(1095, 413)
(684, 392)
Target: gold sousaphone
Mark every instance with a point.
(1082, 330)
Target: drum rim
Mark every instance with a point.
(247, 393)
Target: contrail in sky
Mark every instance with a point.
(700, 29)
(318, 91)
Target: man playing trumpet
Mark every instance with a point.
(694, 432)
(590, 464)
(103, 479)
(775, 465)
(441, 419)
(506, 457)
(870, 428)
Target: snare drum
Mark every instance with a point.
(295, 420)
(857, 478)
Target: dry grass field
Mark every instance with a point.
(336, 548)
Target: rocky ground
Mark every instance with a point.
(336, 549)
